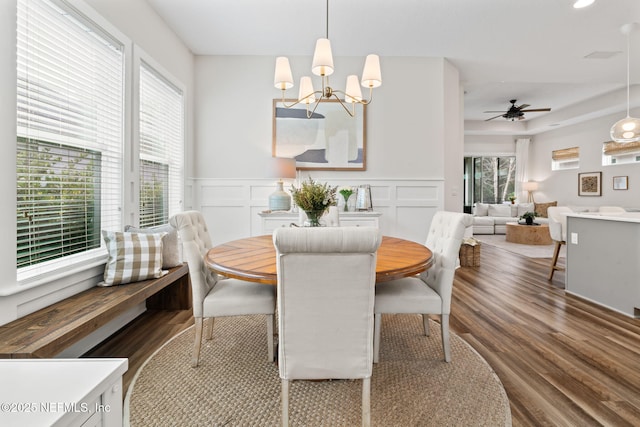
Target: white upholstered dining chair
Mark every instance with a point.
(558, 231)
(326, 279)
(429, 292)
(218, 298)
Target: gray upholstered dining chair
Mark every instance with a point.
(558, 231)
(218, 298)
(430, 291)
(326, 279)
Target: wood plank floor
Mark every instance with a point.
(563, 361)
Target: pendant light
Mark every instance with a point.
(627, 129)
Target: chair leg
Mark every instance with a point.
(366, 402)
(209, 330)
(270, 320)
(285, 402)
(425, 323)
(554, 260)
(196, 346)
(444, 325)
(376, 337)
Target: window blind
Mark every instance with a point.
(161, 147)
(612, 148)
(566, 154)
(70, 131)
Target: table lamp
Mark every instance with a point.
(281, 167)
(530, 187)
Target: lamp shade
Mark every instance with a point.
(626, 130)
(352, 92)
(281, 167)
(306, 89)
(530, 186)
(371, 75)
(283, 79)
(322, 58)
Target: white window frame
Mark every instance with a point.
(45, 272)
(176, 165)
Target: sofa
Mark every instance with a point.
(492, 218)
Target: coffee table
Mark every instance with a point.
(528, 234)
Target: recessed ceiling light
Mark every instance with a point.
(579, 4)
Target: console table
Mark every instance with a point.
(273, 220)
(68, 392)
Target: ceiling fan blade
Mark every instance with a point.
(535, 109)
(494, 117)
(523, 106)
(495, 112)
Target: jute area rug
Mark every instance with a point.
(236, 386)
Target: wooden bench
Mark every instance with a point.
(48, 331)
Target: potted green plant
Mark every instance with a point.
(528, 217)
(512, 198)
(346, 193)
(314, 198)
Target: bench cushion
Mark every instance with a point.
(132, 257)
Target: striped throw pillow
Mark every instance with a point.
(132, 257)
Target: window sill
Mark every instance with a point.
(30, 278)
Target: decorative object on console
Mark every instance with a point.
(323, 66)
(620, 183)
(346, 193)
(589, 184)
(530, 187)
(363, 198)
(280, 168)
(314, 199)
(512, 198)
(627, 129)
(529, 217)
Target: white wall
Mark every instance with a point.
(405, 122)
(475, 145)
(563, 185)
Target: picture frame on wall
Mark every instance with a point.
(590, 184)
(330, 140)
(620, 182)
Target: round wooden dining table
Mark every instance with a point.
(254, 259)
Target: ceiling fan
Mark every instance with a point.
(515, 111)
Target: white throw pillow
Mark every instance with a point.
(524, 207)
(500, 210)
(171, 248)
(482, 209)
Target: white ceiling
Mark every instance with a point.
(530, 50)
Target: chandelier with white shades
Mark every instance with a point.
(322, 66)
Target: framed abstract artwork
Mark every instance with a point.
(590, 184)
(329, 140)
(620, 183)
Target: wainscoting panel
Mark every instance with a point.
(231, 206)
